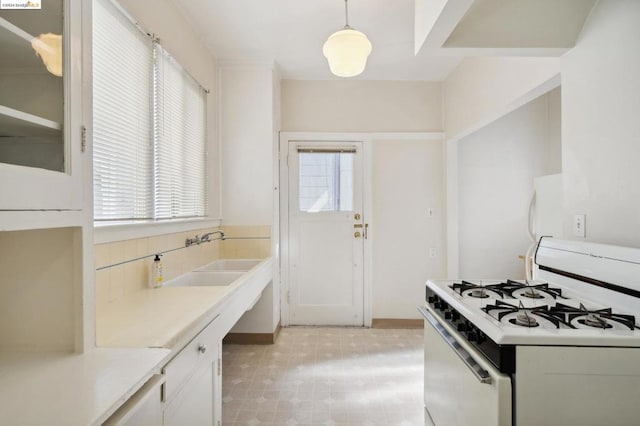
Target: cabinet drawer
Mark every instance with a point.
(198, 351)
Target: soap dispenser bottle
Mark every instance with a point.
(156, 276)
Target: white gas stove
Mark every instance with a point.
(562, 341)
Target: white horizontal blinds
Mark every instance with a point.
(180, 153)
(122, 121)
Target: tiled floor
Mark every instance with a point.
(326, 376)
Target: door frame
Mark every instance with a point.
(283, 147)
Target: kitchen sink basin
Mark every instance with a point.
(205, 279)
(230, 265)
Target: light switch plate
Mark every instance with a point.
(579, 225)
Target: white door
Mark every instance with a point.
(326, 233)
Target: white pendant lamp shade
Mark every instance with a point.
(347, 51)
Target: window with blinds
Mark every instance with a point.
(122, 116)
(149, 126)
(180, 157)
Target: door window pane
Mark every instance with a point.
(326, 182)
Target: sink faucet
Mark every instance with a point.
(203, 239)
(207, 237)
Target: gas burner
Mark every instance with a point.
(509, 289)
(594, 320)
(526, 317)
(524, 320)
(532, 291)
(598, 318)
(478, 291)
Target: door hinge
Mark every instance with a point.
(83, 139)
(219, 366)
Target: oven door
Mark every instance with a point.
(461, 387)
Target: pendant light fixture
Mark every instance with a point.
(347, 50)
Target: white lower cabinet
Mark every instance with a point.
(144, 408)
(193, 405)
(193, 382)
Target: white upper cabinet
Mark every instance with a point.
(41, 105)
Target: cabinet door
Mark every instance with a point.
(217, 386)
(193, 405)
(41, 106)
(144, 408)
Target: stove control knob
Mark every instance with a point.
(443, 305)
(462, 327)
(437, 305)
(447, 315)
(472, 336)
(480, 338)
(432, 299)
(455, 315)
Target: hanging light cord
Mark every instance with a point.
(346, 14)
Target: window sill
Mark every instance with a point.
(120, 231)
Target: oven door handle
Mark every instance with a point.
(481, 374)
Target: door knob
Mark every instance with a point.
(357, 234)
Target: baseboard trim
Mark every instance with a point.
(396, 323)
(253, 338)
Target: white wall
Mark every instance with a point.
(481, 90)
(407, 175)
(361, 106)
(496, 168)
(247, 143)
(249, 124)
(601, 124)
(37, 298)
(478, 92)
(166, 21)
(600, 105)
(407, 181)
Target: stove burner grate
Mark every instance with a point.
(506, 290)
(598, 318)
(526, 317)
(533, 291)
(479, 291)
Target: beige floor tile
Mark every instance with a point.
(326, 376)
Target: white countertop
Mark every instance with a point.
(157, 317)
(166, 316)
(135, 336)
(80, 389)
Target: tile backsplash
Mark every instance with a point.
(112, 283)
(246, 242)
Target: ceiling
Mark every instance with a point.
(291, 33)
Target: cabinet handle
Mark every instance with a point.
(83, 139)
(202, 348)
